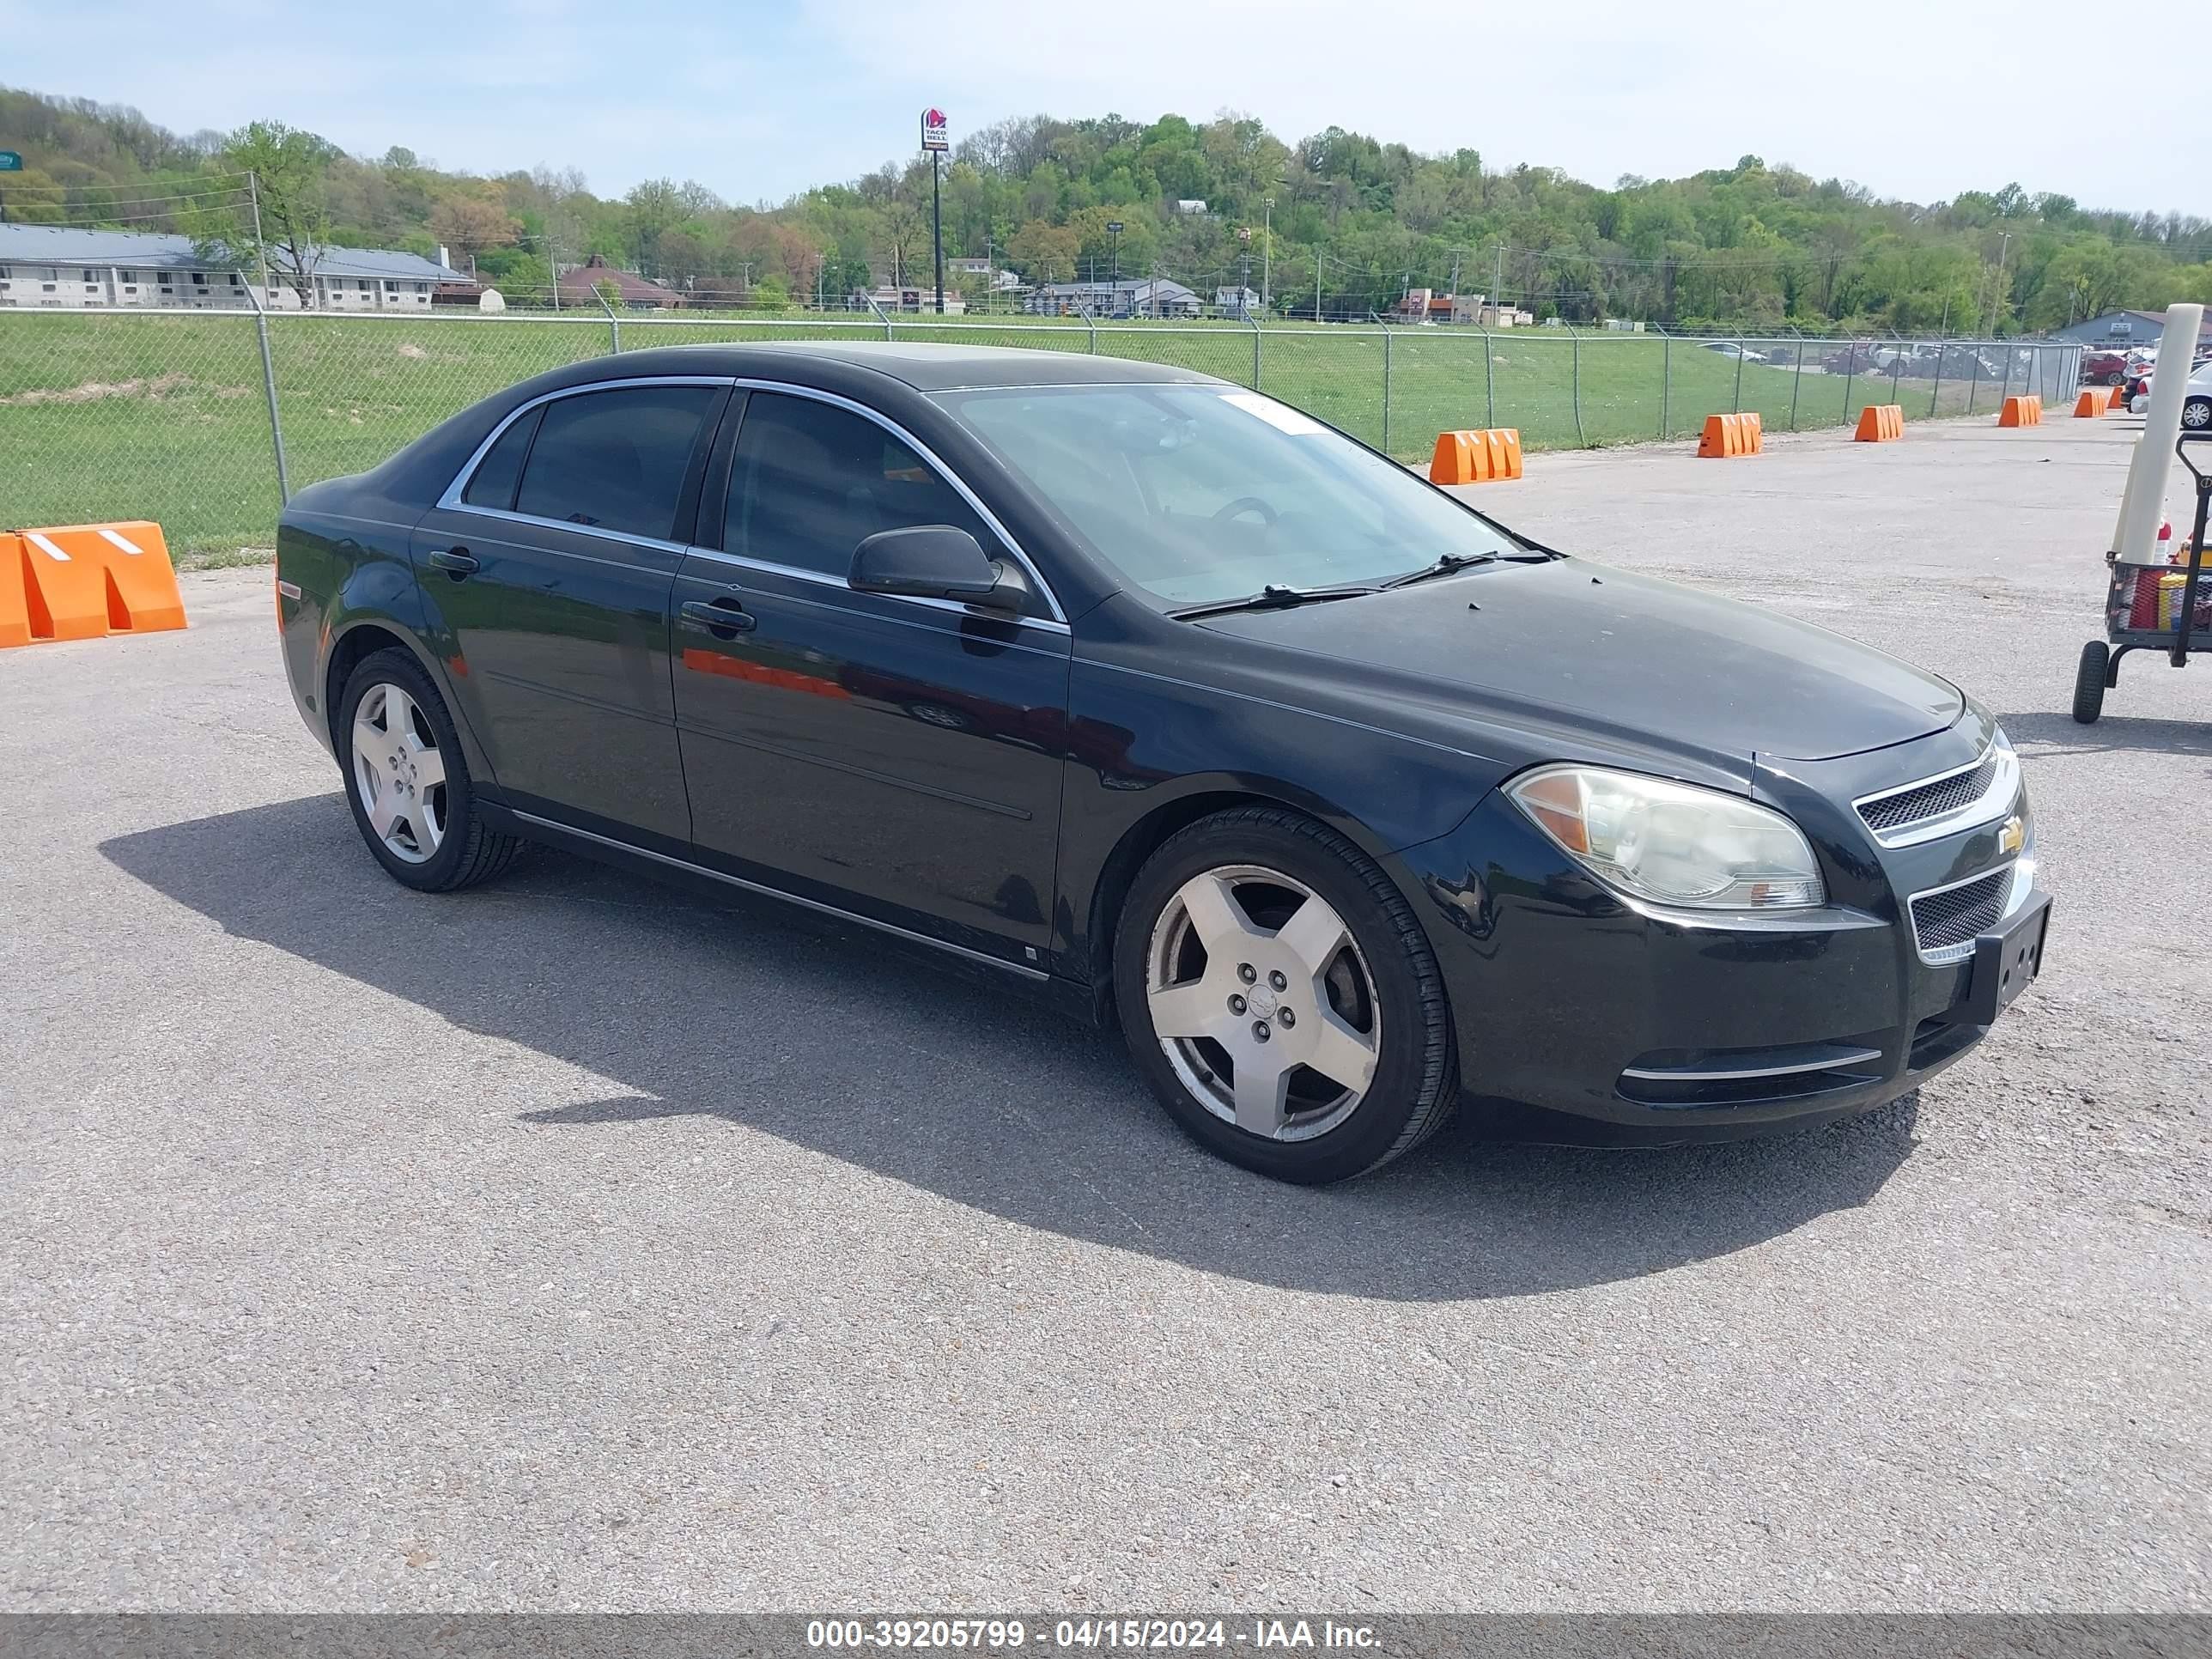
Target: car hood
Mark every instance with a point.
(1631, 655)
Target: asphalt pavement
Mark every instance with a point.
(577, 1244)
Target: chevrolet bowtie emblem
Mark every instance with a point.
(2013, 836)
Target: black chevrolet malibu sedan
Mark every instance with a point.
(1338, 795)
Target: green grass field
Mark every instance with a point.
(165, 418)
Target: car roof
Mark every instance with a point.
(920, 366)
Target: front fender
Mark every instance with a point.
(1148, 752)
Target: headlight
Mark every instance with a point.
(1671, 843)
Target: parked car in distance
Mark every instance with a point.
(1161, 696)
(1857, 358)
(1731, 349)
(2103, 368)
(2196, 398)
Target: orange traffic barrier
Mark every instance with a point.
(1733, 434)
(14, 607)
(66, 597)
(1879, 422)
(1483, 456)
(81, 581)
(2021, 411)
(2094, 400)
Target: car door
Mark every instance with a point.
(551, 566)
(897, 757)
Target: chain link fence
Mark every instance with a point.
(192, 418)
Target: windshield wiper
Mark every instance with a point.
(1443, 566)
(1273, 597)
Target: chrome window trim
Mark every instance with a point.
(2002, 790)
(1944, 955)
(937, 465)
(766, 891)
(823, 579)
(451, 500)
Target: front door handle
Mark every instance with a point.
(455, 561)
(724, 617)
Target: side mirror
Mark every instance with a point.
(931, 561)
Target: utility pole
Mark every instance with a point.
(1113, 236)
(253, 190)
(1267, 251)
(1244, 275)
(1996, 291)
(1497, 284)
(1318, 257)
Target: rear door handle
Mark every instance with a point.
(720, 615)
(456, 561)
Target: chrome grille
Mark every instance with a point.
(1946, 923)
(1934, 800)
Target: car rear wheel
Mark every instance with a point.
(408, 783)
(1281, 998)
(2196, 414)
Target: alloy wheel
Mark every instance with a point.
(399, 773)
(1262, 1002)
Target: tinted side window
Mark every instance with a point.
(810, 481)
(492, 484)
(615, 460)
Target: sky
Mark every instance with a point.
(759, 101)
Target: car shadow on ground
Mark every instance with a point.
(754, 1013)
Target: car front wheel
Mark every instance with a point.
(408, 783)
(1281, 998)
(2196, 414)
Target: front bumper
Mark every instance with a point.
(1569, 997)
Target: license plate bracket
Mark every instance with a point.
(2007, 962)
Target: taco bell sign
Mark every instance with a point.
(936, 132)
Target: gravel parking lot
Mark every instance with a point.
(576, 1242)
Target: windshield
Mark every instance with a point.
(1201, 493)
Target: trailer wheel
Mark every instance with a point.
(2089, 681)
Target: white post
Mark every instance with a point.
(2134, 539)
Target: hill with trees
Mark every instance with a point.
(1353, 219)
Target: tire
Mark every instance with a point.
(2116, 377)
(2196, 414)
(2089, 681)
(435, 841)
(1376, 998)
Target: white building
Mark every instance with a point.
(56, 265)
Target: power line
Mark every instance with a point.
(103, 221)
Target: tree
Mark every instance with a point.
(1044, 253)
(294, 228)
(473, 223)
